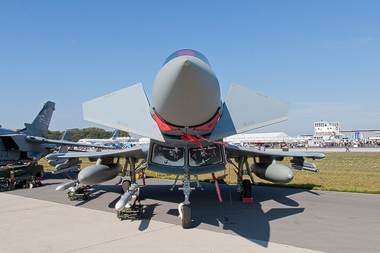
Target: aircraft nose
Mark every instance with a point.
(186, 92)
(186, 63)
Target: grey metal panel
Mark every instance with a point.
(127, 109)
(235, 151)
(245, 109)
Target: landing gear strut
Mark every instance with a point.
(243, 186)
(184, 208)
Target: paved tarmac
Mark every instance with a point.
(279, 220)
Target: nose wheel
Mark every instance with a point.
(184, 208)
(185, 215)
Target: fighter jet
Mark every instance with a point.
(30, 143)
(186, 123)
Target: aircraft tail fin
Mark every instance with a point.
(65, 137)
(245, 109)
(115, 135)
(40, 125)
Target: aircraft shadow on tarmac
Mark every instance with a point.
(46, 184)
(245, 219)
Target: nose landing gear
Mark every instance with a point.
(184, 208)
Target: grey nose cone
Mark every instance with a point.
(186, 92)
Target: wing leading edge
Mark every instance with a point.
(134, 152)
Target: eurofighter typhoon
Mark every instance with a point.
(186, 123)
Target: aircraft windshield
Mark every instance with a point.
(190, 52)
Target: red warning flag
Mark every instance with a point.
(188, 137)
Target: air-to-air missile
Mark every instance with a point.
(129, 197)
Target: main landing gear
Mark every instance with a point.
(244, 187)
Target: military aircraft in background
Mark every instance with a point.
(25, 147)
(186, 123)
(64, 165)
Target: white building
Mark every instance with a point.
(325, 131)
(261, 138)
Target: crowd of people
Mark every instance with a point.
(355, 143)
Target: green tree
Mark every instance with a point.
(123, 134)
(54, 135)
(86, 133)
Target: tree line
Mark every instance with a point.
(85, 133)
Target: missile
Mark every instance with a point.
(299, 163)
(64, 163)
(72, 168)
(127, 197)
(67, 185)
(57, 162)
(310, 169)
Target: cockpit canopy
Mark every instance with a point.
(190, 52)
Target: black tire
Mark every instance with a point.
(186, 216)
(125, 186)
(40, 174)
(247, 189)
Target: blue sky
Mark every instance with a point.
(323, 57)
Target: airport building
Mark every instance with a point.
(324, 132)
(363, 135)
(274, 139)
